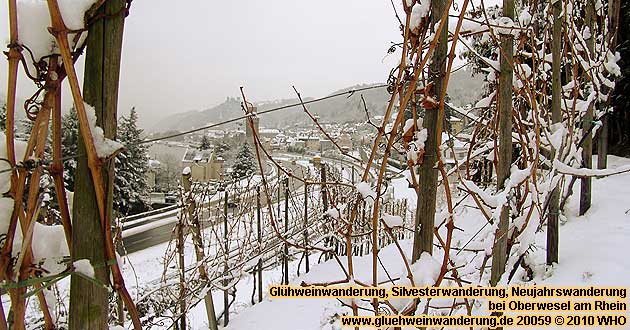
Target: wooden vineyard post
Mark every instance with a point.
(306, 253)
(259, 230)
(199, 251)
(587, 120)
(504, 109)
(286, 230)
(182, 272)
(556, 116)
(226, 245)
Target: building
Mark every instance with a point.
(152, 169)
(204, 165)
(269, 133)
(456, 124)
(345, 141)
(325, 145)
(311, 143)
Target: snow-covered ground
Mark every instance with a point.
(591, 253)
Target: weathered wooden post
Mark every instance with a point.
(587, 120)
(556, 116)
(306, 253)
(324, 192)
(428, 173)
(182, 272)
(504, 108)
(286, 231)
(226, 246)
(259, 229)
(199, 251)
(279, 192)
(88, 302)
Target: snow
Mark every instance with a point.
(186, 170)
(409, 124)
(392, 221)
(517, 176)
(486, 101)
(418, 12)
(505, 25)
(5, 174)
(586, 34)
(366, 190)
(6, 209)
(467, 26)
(486, 197)
(150, 225)
(606, 226)
(611, 63)
(49, 242)
(84, 267)
(104, 146)
(597, 263)
(417, 145)
(6, 204)
(34, 20)
(559, 131)
(584, 172)
(524, 18)
(426, 270)
(333, 213)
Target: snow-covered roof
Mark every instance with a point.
(269, 131)
(195, 155)
(154, 163)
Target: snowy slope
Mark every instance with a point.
(591, 253)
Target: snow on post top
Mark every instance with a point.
(392, 221)
(418, 12)
(34, 20)
(84, 267)
(409, 124)
(186, 170)
(365, 190)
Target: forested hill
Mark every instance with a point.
(463, 89)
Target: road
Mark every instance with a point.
(143, 233)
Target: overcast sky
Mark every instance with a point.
(192, 54)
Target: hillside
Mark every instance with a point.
(463, 89)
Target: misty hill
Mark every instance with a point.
(463, 89)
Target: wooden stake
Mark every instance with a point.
(504, 109)
(199, 249)
(556, 116)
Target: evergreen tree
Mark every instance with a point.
(23, 128)
(205, 143)
(620, 118)
(130, 182)
(244, 164)
(221, 149)
(3, 117)
(69, 142)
